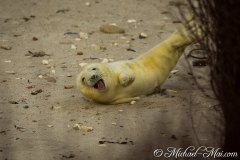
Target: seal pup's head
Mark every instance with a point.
(94, 81)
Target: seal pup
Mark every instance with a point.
(124, 81)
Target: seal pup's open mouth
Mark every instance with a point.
(100, 85)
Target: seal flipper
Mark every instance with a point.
(126, 78)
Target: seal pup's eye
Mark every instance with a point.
(83, 79)
(94, 69)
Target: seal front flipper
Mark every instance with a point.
(126, 77)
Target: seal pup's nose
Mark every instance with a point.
(94, 77)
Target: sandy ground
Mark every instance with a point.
(37, 112)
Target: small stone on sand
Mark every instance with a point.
(83, 35)
(105, 60)
(131, 21)
(132, 102)
(76, 127)
(10, 72)
(111, 29)
(36, 54)
(88, 4)
(82, 127)
(142, 35)
(51, 79)
(73, 46)
(8, 61)
(86, 128)
(45, 62)
(82, 64)
(5, 47)
(79, 53)
(68, 86)
(174, 71)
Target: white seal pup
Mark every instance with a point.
(124, 81)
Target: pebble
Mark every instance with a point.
(111, 29)
(50, 65)
(36, 92)
(22, 129)
(30, 87)
(26, 106)
(86, 128)
(73, 46)
(171, 93)
(79, 53)
(8, 61)
(115, 44)
(114, 123)
(130, 49)
(10, 72)
(88, 4)
(165, 18)
(97, 47)
(102, 145)
(174, 71)
(131, 21)
(82, 128)
(34, 38)
(5, 47)
(76, 127)
(83, 35)
(51, 79)
(142, 35)
(82, 64)
(13, 102)
(68, 156)
(68, 86)
(50, 126)
(45, 62)
(56, 107)
(36, 54)
(132, 102)
(105, 60)
(40, 76)
(19, 78)
(62, 10)
(70, 33)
